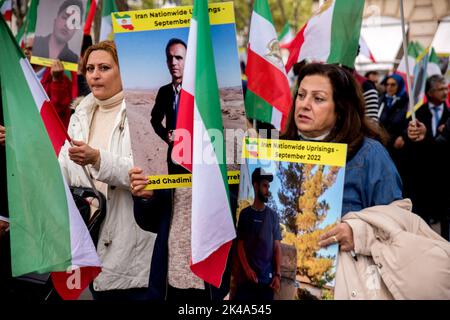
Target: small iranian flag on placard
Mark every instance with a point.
(124, 21)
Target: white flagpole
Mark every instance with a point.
(408, 76)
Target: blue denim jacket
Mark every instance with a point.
(371, 178)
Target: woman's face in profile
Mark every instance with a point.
(102, 75)
(314, 106)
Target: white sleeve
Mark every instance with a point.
(113, 169)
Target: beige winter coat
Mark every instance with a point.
(123, 247)
(399, 257)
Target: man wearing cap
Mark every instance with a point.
(259, 249)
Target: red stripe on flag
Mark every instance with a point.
(295, 47)
(55, 128)
(7, 15)
(90, 18)
(70, 285)
(212, 268)
(261, 75)
(185, 121)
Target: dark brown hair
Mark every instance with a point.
(351, 123)
(107, 45)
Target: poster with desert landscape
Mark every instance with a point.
(306, 192)
(143, 38)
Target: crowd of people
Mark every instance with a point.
(145, 239)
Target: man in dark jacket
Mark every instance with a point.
(154, 211)
(428, 156)
(168, 98)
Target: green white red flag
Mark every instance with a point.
(90, 15)
(106, 30)
(433, 64)
(268, 96)
(212, 228)
(414, 50)
(331, 35)
(28, 26)
(47, 231)
(6, 9)
(286, 35)
(365, 50)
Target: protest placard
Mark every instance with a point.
(152, 47)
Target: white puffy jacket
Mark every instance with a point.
(124, 249)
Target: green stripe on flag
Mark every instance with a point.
(29, 24)
(40, 234)
(206, 88)
(262, 8)
(433, 57)
(285, 31)
(345, 31)
(257, 108)
(109, 6)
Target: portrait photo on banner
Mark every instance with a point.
(305, 182)
(59, 32)
(152, 47)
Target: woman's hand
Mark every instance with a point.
(83, 154)
(138, 182)
(2, 135)
(342, 234)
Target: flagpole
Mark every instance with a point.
(405, 53)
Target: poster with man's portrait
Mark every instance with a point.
(59, 32)
(152, 46)
(304, 187)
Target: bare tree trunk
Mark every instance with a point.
(122, 5)
(295, 9)
(250, 9)
(283, 13)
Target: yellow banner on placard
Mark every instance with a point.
(171, 181)
(48, 63)
(168, 18)
(331, 154)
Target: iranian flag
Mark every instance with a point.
(106, 29)
(433, 64)
(286, 35)
(364, 49)
(124, 21)
(212, 228)
(414, 50)
(90, 15)
(47, 231)
(331, 35)
(268, 97)
(29, 24)
(6, 9)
